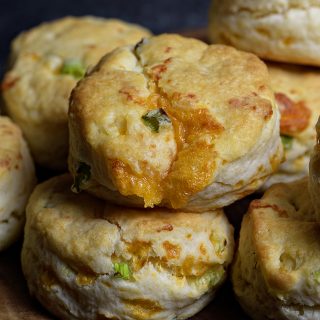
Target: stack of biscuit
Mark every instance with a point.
(276, 271)
(163, 133)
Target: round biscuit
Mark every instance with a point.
(45, 64)
(86, 259)
(176, 123)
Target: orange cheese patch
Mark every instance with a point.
(140, 251)
(172, 250)
(295, 116)
(142, 309)
(192, 169)
(253, 103)
(130, 183)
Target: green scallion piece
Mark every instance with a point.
(122, 270)
(287, 142)
(155, 118)
(73, 67)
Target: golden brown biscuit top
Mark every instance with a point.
(92, 234)
(216, 99)
(286, 239)
(85, 38)
(48, 60)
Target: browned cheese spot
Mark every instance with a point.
(142, 309)
(140, 251)
(172, 250)
(262, 107)
(131, 94)
(7, 131)
(289, 40)
(295, 116)
(258, 204)
(130, 183)
(192, 267)
(191, 95)
(157, 70)
(5, 162)
(9, 82)
(166, 227)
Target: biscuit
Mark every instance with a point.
(276, 273)
(86, 259)
(46, 63)
(174, 122)
(17, 179)
(298, 97)
(280, 30)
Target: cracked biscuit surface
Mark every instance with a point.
(17, 179)
(276, 273)
(45, 64)
(86, 259)
(280, 30)
(174, 122)
(298, 97)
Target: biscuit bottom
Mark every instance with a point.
(86, 259)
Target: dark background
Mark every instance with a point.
(159, 16)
